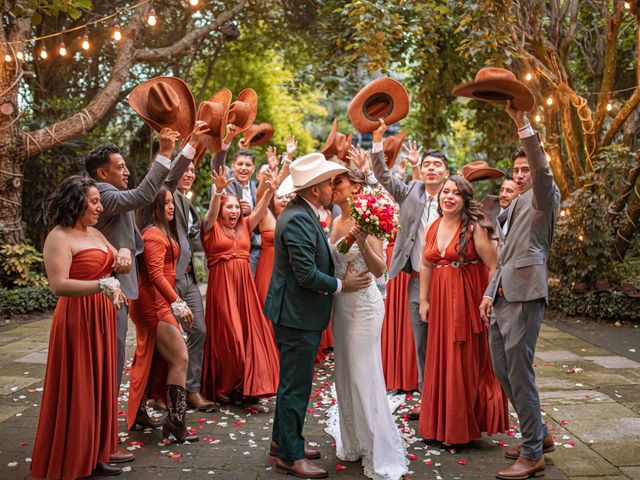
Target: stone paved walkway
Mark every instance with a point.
(590, 397)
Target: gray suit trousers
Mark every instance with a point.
(187, 289)
(123, 320)
(513, 335)
(418, 326)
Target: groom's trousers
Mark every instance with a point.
(298, 350)
(513, 335)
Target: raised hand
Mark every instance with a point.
(167, 139)
(379, 132)
(413, 152)
(271, 179)
(291, 146)
(200, 130)
(220, 180)
(359, 157)
(272, 158)
(518, 116)
(232, 131)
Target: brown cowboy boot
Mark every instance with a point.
(174, 422)
(547, 447)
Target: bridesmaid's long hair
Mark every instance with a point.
(470, 215)
(69, 201)
(153, 214)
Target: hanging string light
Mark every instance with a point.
(62, 50)
(151, 19)
(20, 55)
(627, 5)
(7, 58)
(117, 35)
(43, 53)
(85, 42)
(609, 107)
(537, 118)
(550, 101)
(193, 3)
(528, 76)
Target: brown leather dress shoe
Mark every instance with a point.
(414, 413)
(547, 447)
(309, 453)
(121, 456)
(197, 401)
(105, 470)
(301, 468)
(522, 469)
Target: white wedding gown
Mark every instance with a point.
(364, 427)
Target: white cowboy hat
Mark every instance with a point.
(308, 171)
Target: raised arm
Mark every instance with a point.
(395, 187)
(219, 183)
(299, 237)
(269, 187)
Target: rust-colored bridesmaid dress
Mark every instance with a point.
(461, 396)
(240, 354)
(265, 265)
(398, 349)
(77, 426)
(156, 281)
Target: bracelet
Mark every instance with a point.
(179, 307)
(109, 285)
(216, 193)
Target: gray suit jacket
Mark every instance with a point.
(522, 261)
(118, 220)
(412, 199)
(185, 234)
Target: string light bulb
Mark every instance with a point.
(528, 76)
(20, 55)
(580, 237)
(85, 42)
(562, 213)
(537, 118)
(43, 53)
(151, 19)
(193, 3)
(627, 5)
(117, 35)
(550, 101)
(62, 50)
(609, 107)
(7, 58)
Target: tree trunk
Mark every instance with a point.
(630, 222)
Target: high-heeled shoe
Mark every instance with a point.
(142, 417)
(174, 423)
(103, 469)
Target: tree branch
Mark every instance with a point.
(621, 117)
(157, 54)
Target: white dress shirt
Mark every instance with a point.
(429, 214)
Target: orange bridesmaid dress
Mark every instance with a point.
(156, 281)
(398, 349)
(240, 355)
(77, 425)
(461, 396)
(265, 265)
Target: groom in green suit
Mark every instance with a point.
(299, 304)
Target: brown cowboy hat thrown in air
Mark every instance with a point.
(479, 170)
(384, 98)
(214, 112)
(165, 102)
(392, 146)
(256, 135)
(337, 143)
(497, 85)
(243, 111)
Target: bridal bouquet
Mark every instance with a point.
(375, 212)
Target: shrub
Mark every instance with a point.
(26, 300)
(21, 266)
(612, 305)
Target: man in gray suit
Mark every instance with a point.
(494, 205)
(517, 295)
(418, 208)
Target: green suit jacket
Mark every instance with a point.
(302, 284)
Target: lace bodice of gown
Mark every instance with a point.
(341, 262)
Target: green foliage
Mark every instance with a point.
(606, 305)
(582, 247)
(21, 266)
(16, 301)
(40, 8)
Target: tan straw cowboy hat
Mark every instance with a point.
(165, 102)
(307, 171)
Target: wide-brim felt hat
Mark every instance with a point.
(257, 134)
(391, 148)
(479, 170)
(214, 112)
(337, 143)
(497, 85)
(165, 102)
(384, 98)
(307, 171)
(243, 111)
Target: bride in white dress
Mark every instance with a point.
(366, 428)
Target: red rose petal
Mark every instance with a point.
(462, 462)
(340, 467)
